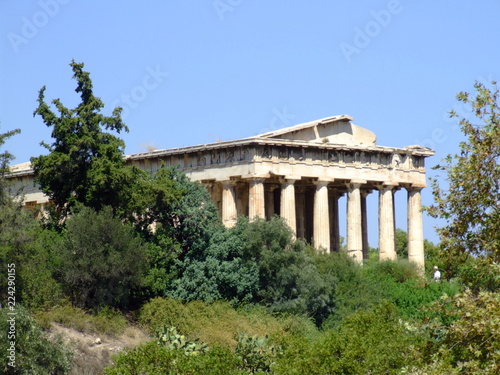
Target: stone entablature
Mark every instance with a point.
(300, 173)
(256, 156)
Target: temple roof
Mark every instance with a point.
(337, 130)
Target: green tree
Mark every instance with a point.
(470, 203)
(401, 243)
(85, 163)
(255, 262)
(462, 334)
(185, 219)
(5, 158)
(102, 260)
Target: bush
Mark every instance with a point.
(34, 352)
(218, 323)
(462, 332)
(398, 271)
(256, 353)
(155, 359)
(368, 342)
(102, 260)
(28, 247)
(351, 289)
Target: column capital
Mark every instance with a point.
(289, 179)
(355, 183)
(387, 185)
(256, 179)
(322, 182)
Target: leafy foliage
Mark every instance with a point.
(155, 359)
(29, 247)
(470, 205)
(257, 262)
(256, 353)
(216, 323)
(85, 163)
(5, 158)
(170, 339)
(464, 334)
(367, 342)
(102, 260)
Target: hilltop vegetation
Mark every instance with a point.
(250, 299)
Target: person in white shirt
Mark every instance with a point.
(437, 274)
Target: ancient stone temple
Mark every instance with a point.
(300, 173)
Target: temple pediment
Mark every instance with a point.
(336, 130)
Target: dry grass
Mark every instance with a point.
(218, 323)
(107, 322)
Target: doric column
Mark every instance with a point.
(321, 217)
(229, 212)
(354, 227)
(287, 209)
(256, 198)
(333, 205)
(301, 211)
(364, 223)
(386, 239)
(415, 228)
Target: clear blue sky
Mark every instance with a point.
(191, 72)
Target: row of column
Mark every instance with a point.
(357, 239)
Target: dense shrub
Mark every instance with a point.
(102, 261)
(256, 353)
(479, 273)
(257, 262)
(155, 359)
(351, 289)
(217, 323)
(24, 244)
(462, 333)
(371, 341)
(363, 287)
